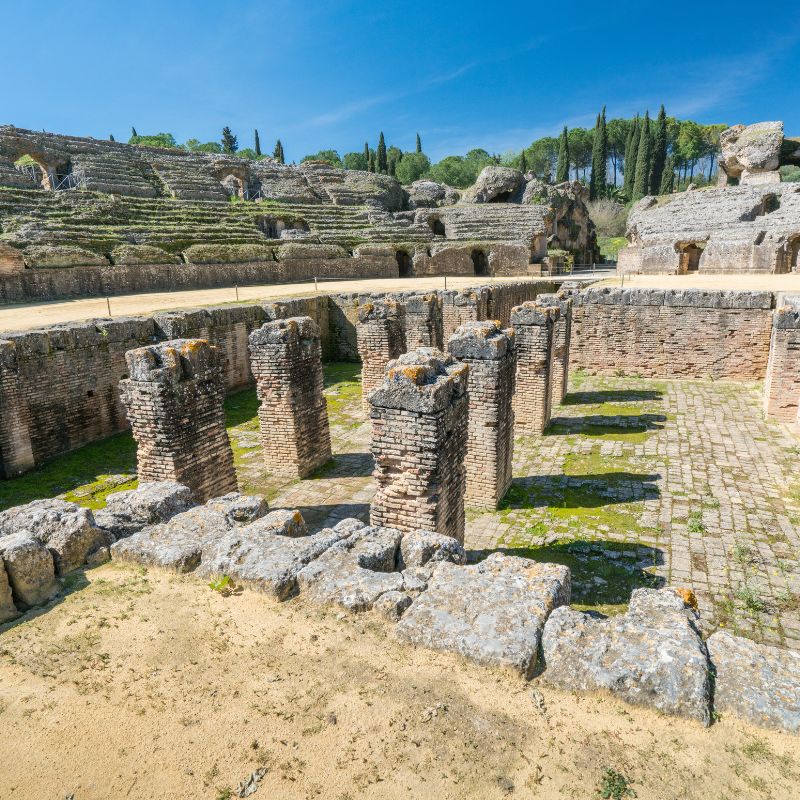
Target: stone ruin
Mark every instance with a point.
(380, 334)
(782, 382)
(751, 223)
(419, 437)
(286, 360)
(163, 220)
(174, 399)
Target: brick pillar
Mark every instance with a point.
(562, 332)
(423, 321)
(174, 401)
(491, 357)
(16, 449)
(381, 338)
(419, 438)
(286, 360)
(533, 326)
(468, 305)
(782, 382)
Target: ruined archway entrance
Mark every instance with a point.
(793, 252)
(690, 257)
(480, 263)
(233, 185)
(503, 197)
(437, 226)
(405, 265)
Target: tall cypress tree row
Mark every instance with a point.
(667, 185)
(631, 151)
(644, 158)
(659, 152)
(419, 144)
(258, 144)
(383, 164)
(562, 165)
(598, 180)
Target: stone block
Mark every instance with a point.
(30, 569)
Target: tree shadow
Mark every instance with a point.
(611, 396)
(346, 465)
(604, 573)
(581, 491)
(318, 517)
(604, 424)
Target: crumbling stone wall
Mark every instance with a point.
(419, 438)
(672, 333)
(381, 338)
(423, 321)
(174, 401)
(467, 305)
(490, 354)
(562, 334)
(782, 383)
(286, 360)
(533, 325)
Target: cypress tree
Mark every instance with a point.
(111, 138)
(562, 166)
(392, 165)
(659, 158)
(133, 131)
(597, 182)
(523, 163)
(230, 144)
(366, 153)
(631, 151)
(419, 144)
(371, 162)
(258, 144)
(667, 185)
(383, 165)
(644, 158)
(277, 153)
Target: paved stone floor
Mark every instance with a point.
(636, 483)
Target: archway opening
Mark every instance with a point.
(690, 257)
(233, 185)
(503, 197)
(480, 263)
(437, 226)
(794, 254)
(35, 170)
(405, 265)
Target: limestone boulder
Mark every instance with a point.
(492, 613)
(68, 530)
(751, 148)
(652, 655)
(419, 548)
(8, 610)
(356, 571)
(496, 184)
(29, 567)
(756, 682)
(430, 194)
(150, 503)
(242, 509)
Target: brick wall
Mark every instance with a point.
(782, 383)
(672, 333)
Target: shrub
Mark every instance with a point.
(609, 217)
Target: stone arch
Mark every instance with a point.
(405, 264)
(233, 185)
(274, 227)
(689, 256)
(437, 226)
(480, 262)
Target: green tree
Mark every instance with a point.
(394, 153)
(711, 140)
(371, 161)
(597, 184)
(366, 153)
(667, 185)
(617, 131)
(258, 145)
(133, 132)
(356, 161)
(329, 156)
(580, 150)
(111, 137)
(644, 157)
(541, 155)
(523, 163)
(248, 153)
(419, 144)
(454, 171)
(196, 146)
(691, 146)
(230, 144)
(412, 167)
(277, 153)
(562, 168)
(164, 140)
(383, 164)
(631, 152)
(659, 158)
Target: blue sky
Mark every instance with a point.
(332, 74)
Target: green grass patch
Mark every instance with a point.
(610, 246)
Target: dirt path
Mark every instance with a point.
(766, 283)
(140, 685)
(35, 315)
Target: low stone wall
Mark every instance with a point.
(782, 383)
(672, 333)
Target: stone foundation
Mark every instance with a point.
(533, 325)
(381, 338)
(782, 384)
(490, 354)
(419, 438)
(285, 357)
(174, 401)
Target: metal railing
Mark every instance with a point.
(70, 181)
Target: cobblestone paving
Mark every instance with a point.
(636, 483)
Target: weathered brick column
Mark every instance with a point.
(419, 438)
(489, 352)
(174, 401)
(423, 326)
(286, 359)
(463, 306)
(381, 338)
(562, 332)
(782, 383)
(16, 449)
(533, 326)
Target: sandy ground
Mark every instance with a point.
(142, 685)
(34, 315)
(768, 283)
